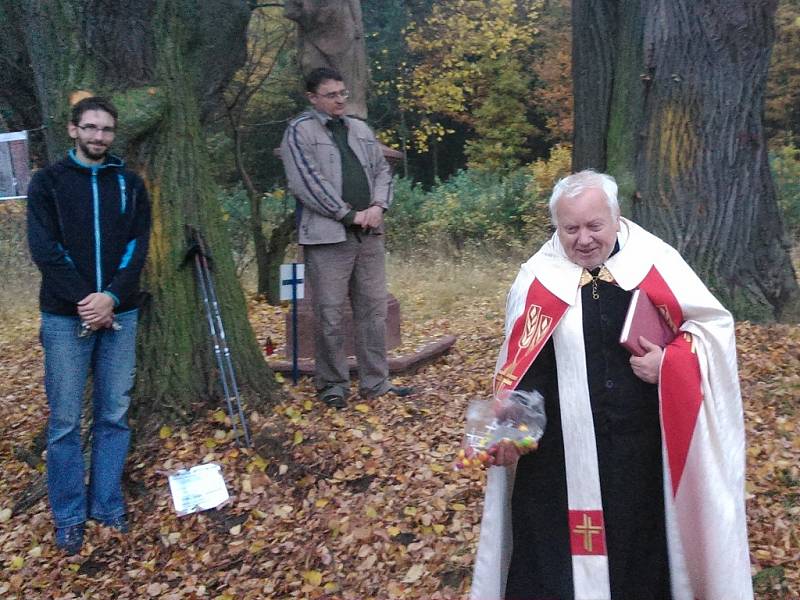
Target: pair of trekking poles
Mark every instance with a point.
(198, 251)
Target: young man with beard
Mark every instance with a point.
(88, 231)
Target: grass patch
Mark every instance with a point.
(19, 278)
(430, 287)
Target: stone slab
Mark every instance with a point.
(397, 364)
(305, 328)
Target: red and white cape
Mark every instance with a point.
(700, 412)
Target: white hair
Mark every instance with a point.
(574, 185)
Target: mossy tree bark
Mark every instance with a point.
(163, 63)
(669, 99)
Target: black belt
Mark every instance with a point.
(358, 231)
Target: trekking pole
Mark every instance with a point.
(217, 332)
(226, 353)
(201, 282)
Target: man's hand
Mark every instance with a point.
(373, 217)
(647, 367)
(96, 310)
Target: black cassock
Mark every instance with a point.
(625, 412)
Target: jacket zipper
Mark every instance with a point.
(122, 199)
(97, 248)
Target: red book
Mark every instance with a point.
(644, 319)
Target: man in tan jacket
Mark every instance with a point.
(343, 184)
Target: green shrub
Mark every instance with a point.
(18, 294)
(236, 213)
(478, 207)
(471, 207)
(544, 175)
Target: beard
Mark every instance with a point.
(91, 154)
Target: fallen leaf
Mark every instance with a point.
(414, 573)
(313, 577)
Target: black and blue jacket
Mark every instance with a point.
(88, 230)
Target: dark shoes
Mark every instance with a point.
(70, 538)
(119, 523)
(333, 399)
(398, 390)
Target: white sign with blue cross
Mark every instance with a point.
(292, 277)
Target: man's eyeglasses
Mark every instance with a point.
(343, 94)
(92, 129)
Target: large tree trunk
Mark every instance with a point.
(256, 222)
(163, 63)
(331, 34)
(259, 66)
(669, 99)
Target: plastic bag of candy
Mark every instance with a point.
(516, 416)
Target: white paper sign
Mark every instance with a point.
(200, 488)
(287, 277)
(15, 171)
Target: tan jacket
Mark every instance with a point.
(314, 172)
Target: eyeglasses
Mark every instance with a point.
(343, 94)
(92, 129)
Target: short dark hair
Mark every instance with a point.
(92, 103)
(320, 74)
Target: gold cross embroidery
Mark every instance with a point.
(587, 530)
(506, 376)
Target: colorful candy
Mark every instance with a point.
(516, 418)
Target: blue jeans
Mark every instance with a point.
(111, 357)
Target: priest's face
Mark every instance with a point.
(586, 227)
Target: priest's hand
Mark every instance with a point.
(647, 367)
(505, 453)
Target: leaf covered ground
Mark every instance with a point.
(360, 503)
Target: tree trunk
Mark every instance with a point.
(252, 78)
(17, 89)
(669, 99)
(256, 228)
(279, 240)
(162, 62)
(331, 34)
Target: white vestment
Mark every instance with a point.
(704, 509)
